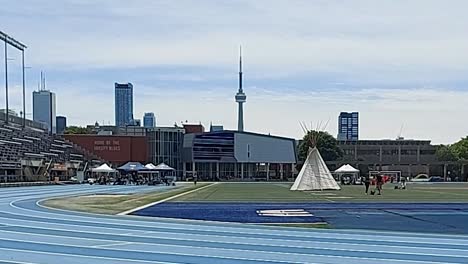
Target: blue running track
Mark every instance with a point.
(33, 234)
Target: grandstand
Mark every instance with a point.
(32, 154)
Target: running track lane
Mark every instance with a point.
(33, 234)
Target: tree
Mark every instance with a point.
(446, 153)
(461, 148)
(326, 144)
(76, 130)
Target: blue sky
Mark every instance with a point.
(396, 62)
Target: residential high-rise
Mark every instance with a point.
(149, 120)
(348, 126)
(123, 104)
(240, 98)
(61, 124)
(44, 109)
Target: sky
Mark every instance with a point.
(403, 65)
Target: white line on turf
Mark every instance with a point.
(164, 200)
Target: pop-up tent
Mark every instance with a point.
(104, 168)
(164, 167)
(347, 174)
(132, 167)
(347, 169)
(150, 166)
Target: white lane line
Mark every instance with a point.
(239, 228)
(113, 244)
(234, 239)
(86, 256)
(317, 246)
(299, 256)
(164, 200)
(209, 251)
(194, 223)
(236, 231)
(17, 262)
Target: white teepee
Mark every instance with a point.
(314, 174)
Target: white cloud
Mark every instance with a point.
(397, 62)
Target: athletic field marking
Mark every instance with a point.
(164, 200)
(326, 234)
(16, 262)
(219, 256)
(195, 226)
(113, 244)
(444, 193)
(84, 256)
(313, 245)
(284, 213)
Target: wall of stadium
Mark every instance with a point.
(114, 149)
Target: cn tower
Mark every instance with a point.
(240, 97)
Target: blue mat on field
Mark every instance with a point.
(414, 217)
(233, 212)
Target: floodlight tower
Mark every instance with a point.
(241, 98)
(20, 46)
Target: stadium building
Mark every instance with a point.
(238, 155)
(30, 153)
(411, 157)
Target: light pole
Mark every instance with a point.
(6, 81)
(20, 46)
(24, 89)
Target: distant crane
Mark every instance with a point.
(400, 137)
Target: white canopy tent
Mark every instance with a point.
(347, 174)
(164, 167)
(104, 168)
(150, 166)
(347, 169)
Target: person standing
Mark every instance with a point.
(366, 181)
(379, 183)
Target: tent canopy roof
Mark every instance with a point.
(132, 166)
(164, 167)
(347, 169)
(103, 168)
(150, 166)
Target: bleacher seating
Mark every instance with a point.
(18, 143)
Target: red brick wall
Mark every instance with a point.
(189, 129)
(115, 149)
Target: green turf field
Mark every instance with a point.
(279, 192)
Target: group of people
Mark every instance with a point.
(379, 182)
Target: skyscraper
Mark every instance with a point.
(149, 120)
(240, 97)
(44, 109)
(61, 124)
(348, 126)
(123, 104)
